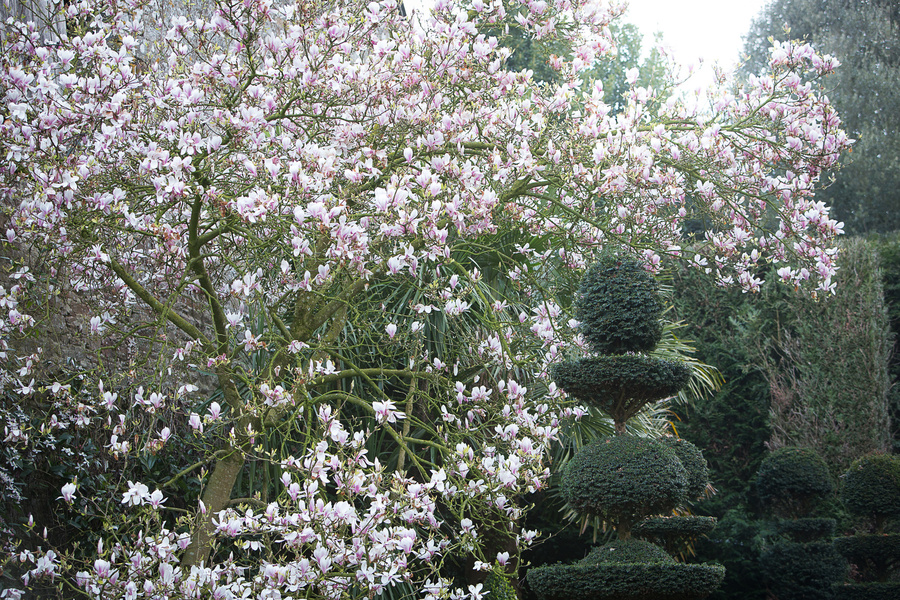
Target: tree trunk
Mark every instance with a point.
(623, 530)
(217, 494)
(216, 497)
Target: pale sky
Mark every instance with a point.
(694, 29)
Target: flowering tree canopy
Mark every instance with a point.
(320, 246)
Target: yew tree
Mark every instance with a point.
(319, 244)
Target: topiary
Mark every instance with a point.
(806, 530)
(619, 307)
(871, 488)
(620, 385)
(791, 479)
(678, 525)
(736, 543)
(627, 551)
(802, 571)
(624, 478)
(874, 555)
(867, 591)
(675, 534)
(693, 461)
(625, 581)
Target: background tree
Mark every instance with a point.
(865, 36)
(828, 370)
(650, 71)
(769, 347)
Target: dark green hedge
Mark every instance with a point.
(791, 479)
(874, 555)
(619, 307)
(857, 547)
(802, 571)
(627, 551)
(664, 527)
(867, 591)
(625, 581)
(621, 385)
(871, 487)
(692, 459)
(806, 530)
(624, 477)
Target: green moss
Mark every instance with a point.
(609, 581)
(792, 479)
(871, 487)
(621, 385)
(693, 461)
(627, 551)
(624, 477)
(619, 307)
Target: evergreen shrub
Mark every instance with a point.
(806, 530)
(692, 459)
(867, 591)
(628, 551)
(619, 307)
(499, 588)
(629, 581)
(620, 385)
(663, 527)
(882, 546)
(802, 571)
(736, 543)
(874, 555)
(791, 479)
(624, 477)
(871, 487)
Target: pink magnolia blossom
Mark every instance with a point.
(329, 174)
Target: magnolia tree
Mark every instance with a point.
(318, 252)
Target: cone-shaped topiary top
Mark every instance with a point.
(792, 479)
(871, 487)
(619, 307)
(623, 479)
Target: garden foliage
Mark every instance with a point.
(871, 491)
(282, 277)
(800, 565)
(791, 480)
(625, 479)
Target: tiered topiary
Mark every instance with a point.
(802, 564)
(624, 479)
(792, 480)
(672, 532)
(871, 490)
